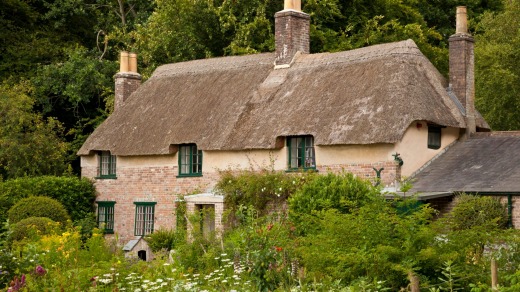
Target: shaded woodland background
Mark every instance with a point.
(58, 57)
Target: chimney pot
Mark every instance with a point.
(462, 21)
(293, 4)
(132, 62)
(123, 65)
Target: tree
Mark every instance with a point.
(497, 67)
(29, 144)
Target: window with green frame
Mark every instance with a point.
(190, 160)
(107, 165)
(301, 152)
(144, 218)
(434, 137)
(105, 216)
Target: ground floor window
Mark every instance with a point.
(105, 218)
(144, 218)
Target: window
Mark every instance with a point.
(190, 160)
(105, 218)
(434, 137)
(301, 152)
(107, 165)
(144, 217)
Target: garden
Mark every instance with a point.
(284, 232)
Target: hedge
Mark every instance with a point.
(39, 206)
(77, 195)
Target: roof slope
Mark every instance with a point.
(486, 162)
(364, 96)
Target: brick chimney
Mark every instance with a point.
(127, 80)
(291, 32)
(462, 68)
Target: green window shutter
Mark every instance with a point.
(105, 218)
(301, 153)
(190, 160)
(107, 165)
(144, 218)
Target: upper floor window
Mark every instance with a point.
(105, 218)
(301, 152)
(190, 160)
(144, 218)
(434, 137)
(107, 165)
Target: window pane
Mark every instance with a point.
(434, 137)
(294, 152)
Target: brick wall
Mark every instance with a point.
(125, 84)
(145, 184)
(291, 35)
(160, 184)
(389, 176)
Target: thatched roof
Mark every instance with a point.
(364, 96)
(485, 163)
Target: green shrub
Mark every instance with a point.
(477, 211)
(258, 188)
(77, 195)
(38, 207)
(343, 192)
(28, 227)
(164, 239)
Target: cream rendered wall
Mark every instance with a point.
(255, 159)
(414, 146)
(413, 149)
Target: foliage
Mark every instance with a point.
(258, 188)
(343, 192)
(472, 211)
(38, 206)
(497, 67)
(164, 239)
(30, 145)
(31, 226)
(77, 195)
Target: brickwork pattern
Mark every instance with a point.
(390, 175)
(125, 85)
(291, 35)
(161, 185)
(461, 50)
(146, 184)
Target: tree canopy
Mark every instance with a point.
(61, 55)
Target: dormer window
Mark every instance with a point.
(190, 160)
(434, 137)
(301, 152)
(107, 165)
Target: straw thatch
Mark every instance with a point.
(364, 96)
(485, 163)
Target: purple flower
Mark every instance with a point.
(17, 284)
(40, 271)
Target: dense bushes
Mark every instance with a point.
(38, 207)
(32, 226)
(77, 195)
(477, 211)
(257, 189)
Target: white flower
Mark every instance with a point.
(224, 281)
(137, 290)
(112, 269)
(174, 270)
(196, 275)
(159, 280)
(146, 281)
(107, 275)
(166, 264)
(224, 254)
(105, 281)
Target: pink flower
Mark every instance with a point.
(40, 271)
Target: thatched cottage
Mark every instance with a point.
(360, 111)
